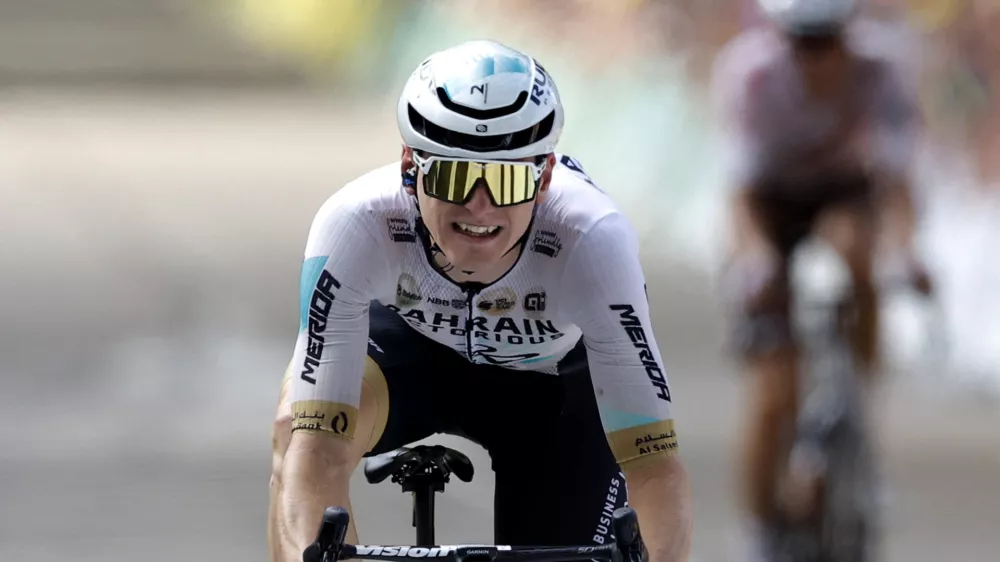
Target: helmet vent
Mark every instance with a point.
(481, 143)
(482, 114)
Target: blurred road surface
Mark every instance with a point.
(151, 249)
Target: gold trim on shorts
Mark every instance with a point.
(374, 379)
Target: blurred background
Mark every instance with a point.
(160, 163)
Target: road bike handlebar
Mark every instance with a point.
(330, 546)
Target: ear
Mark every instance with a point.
(408, 170)
(546, 179)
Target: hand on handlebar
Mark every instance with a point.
(628, 537)
(921, 279)
(330, 547)
(906, 271)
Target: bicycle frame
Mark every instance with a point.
(829, 427)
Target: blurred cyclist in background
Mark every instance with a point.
(821, 127)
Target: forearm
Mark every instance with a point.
(898, 216)
(660, 493)
(747, 228)
(311, 480)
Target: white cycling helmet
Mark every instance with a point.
(480, 100)
(809, 18)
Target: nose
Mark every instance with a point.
(480, 204)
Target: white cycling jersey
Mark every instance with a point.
(578, 275)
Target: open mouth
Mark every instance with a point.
(476, 231)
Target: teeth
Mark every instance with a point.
(474, 229)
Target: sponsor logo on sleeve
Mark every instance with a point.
(321, 415)
(637, 335)
(633, 443)
(319, 312)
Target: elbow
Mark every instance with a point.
(307, 452)
(281, 434)
(317, 457)
(659, 475)
(660, 492)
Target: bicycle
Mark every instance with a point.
(830, 451)
(423, 471)
(831, 439)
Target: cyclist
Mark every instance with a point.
(821, 127)
(481, 286)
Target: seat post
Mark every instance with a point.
(421, 471)
(423, 485)
(423, 514)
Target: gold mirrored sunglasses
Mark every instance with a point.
(453, 180)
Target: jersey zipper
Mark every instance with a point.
(471, 292)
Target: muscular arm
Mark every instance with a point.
(315, 473)
(897, 128)
(314, 457)
(660, 493)
(633, 394)
(748, 228)
(899, 217)
(327, 418)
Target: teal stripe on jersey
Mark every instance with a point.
(537, 359)
(616, 419)
(311, 270)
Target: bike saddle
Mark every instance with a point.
(445, 460)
